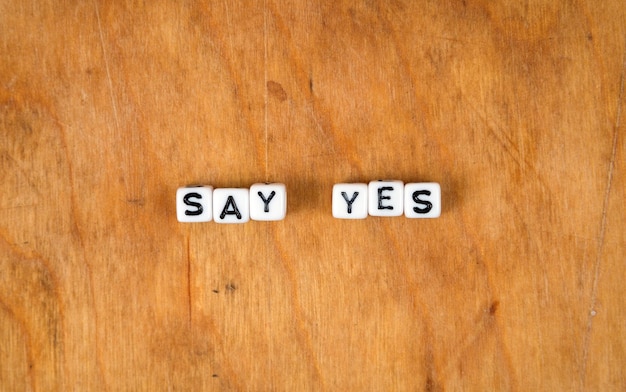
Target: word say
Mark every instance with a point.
(387, 198)
(262, 202)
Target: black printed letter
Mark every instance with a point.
(345, 197)
(266, 201)
(416, 199)
(188, 202)
(381, 198)
(234, 211)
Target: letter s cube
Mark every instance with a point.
(422, 200)
(194, 204)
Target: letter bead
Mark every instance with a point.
(350, 201)
(194, 204)
(386, 198)
(268, 202)
(231, 205)
(422, 200)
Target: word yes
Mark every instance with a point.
(387, 198)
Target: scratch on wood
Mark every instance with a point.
(600, 247)
(265, 97)
(188, 281)
(106, 67)
(230, 29)
(507, 144)
(20, 206)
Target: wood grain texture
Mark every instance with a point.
(516, 110)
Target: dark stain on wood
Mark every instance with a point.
(276, 90)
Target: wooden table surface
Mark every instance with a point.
(106, 108)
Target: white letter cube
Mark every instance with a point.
(231, 205)
(194, 204)
(386, 198)
(422, 200)
(350, 201)
(268, 202)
